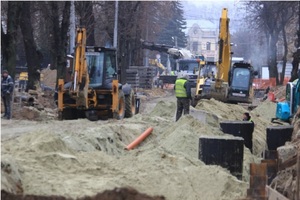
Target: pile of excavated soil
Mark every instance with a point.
(80, 157)
(41, 108)
(235, 112)
(266, 110)
(117, 193)
(49, 77)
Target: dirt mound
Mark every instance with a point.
(90, 156)
(266, 110)
(235, 112)
(117, 193)
(70, 151)
(49, 77)
(37, 105)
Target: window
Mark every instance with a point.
(195, 46)
(110, 62)
(195, 31)
(241, 78)
(208, 45)
(95, 67)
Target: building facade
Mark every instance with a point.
(202, 38)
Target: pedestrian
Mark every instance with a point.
(183, 94)
(7, 87)
(247, 117)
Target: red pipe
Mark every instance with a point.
(139, 139)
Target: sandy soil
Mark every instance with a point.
(79, 157)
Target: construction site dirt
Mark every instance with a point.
(43, 156)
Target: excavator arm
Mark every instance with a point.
(80, 79)
(177, 53)
(223, 64)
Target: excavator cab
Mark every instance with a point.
(240, 83)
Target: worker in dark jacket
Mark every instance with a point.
(183, 94)
(7, 87)
(247, 117)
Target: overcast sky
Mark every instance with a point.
(212, 10)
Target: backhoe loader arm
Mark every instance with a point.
(80, 79)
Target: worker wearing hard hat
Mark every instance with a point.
(183, 94)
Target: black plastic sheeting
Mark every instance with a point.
(278, 135)
(226, 152)
(242, 129)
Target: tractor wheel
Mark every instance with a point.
(120, 113)
(130, 105)
(91, 115)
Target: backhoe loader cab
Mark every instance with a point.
(102, 68)
(94, 91)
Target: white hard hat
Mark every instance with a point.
(182, 75)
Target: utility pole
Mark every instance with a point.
(116, 24)
(147, 51)
(72, 27)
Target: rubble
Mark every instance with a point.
(285, 181)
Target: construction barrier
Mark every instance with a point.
(264, 83)
(223, 151)
(271, 96)
(242, 129)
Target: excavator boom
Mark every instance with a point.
(223, 64)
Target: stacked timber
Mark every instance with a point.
(140, 76)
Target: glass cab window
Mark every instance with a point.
(190, 67)
(241, 78)
(95, 62)
(110, 61)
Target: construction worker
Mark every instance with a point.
(7, 87)
(183, 94)
(247, 117)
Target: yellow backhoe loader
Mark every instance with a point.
(94, 90)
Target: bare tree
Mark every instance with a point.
(59, 31)
(296, 55)
(84, 10)
(286, 15)
(33, 57)
(272, 18)
(9, 40)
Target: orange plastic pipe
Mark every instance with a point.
(139, 139)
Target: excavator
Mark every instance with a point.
(186, 62)
(94, 91)
(287, 109)
(232, 82)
